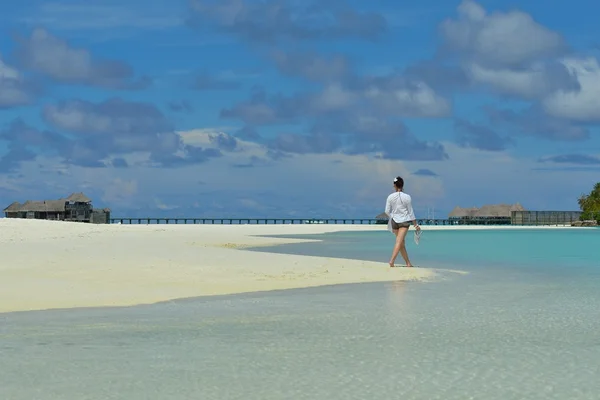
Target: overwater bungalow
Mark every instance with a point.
(487, 214)
(382, 218)
(76, 208)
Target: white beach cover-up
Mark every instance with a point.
(398, 207)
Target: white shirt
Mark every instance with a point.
(399, 207)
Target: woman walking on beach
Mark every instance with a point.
(398, 208)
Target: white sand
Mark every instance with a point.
(50, 264)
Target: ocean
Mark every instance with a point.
(522, 322)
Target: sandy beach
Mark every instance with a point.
(51, 264)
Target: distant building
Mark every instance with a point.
(487, 214)
(382, 218)
(545, 217)
(77, 208)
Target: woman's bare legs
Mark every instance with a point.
(400, 247)
(403, 250)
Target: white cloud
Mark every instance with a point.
(7, 72)
(74, 118)
(45, 53)
(12, 87)
(314, 179)
(334, 185)
(473, 178)
(201, 137)
(56, 58)
(507, 52)
(501, 38)
(530, 83)
(417, 101)
(583, 105)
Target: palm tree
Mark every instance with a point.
(590, 204)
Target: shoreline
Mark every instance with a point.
(61, 265)
(352, 227)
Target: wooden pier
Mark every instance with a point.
(354, 221)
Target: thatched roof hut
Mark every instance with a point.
(43, 206)
(517, 207)
(486, 211)
(77, 207)
(382, 216)
(47, 205)
(78, 198)
(493, 210)
(13, 207)
(498, 210)
(459, 212)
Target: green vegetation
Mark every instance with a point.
(590, 204)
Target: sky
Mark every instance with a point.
(306, 109)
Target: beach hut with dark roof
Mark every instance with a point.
(45, 209)
(517, 207)
(493, 210)
(382, 218)
(487, 214)
(79, 198)
(459, 212)
(77, 207)
(12, 211)
(498, 210)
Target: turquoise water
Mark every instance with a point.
(523, 324)
(465, 249)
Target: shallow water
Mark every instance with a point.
(468, 249)
(500, 332)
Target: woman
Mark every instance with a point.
(399, 209)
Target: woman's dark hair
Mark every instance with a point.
(399, 182)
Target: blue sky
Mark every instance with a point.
(299, 108)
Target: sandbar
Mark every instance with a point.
(55, 264)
